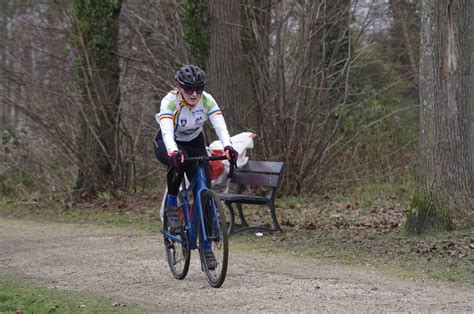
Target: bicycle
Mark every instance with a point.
(204, 227)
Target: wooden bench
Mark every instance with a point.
(266, 174)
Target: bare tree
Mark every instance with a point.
(152, 47)
(301, 82)
(445, 169)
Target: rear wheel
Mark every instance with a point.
(217, 239)
(177, 253)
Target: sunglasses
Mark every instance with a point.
(190, 90)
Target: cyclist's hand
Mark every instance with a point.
(231, 153)
(176, 158)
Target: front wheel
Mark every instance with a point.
(177, 252)
(214, 246)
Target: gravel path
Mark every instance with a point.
(129, 267)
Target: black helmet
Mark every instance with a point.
(190, 76)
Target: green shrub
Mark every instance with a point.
(14, 183)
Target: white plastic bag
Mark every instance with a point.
(240, 142)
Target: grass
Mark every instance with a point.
(359, 226)
(104, 214)
(20, 296)
(393, 254)
(364, 225)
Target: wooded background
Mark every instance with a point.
(330, 87)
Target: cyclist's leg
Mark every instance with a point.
(160, 149)
(171, 210)
(195, 148)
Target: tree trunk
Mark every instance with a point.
(445, 158)
(97, 77)
(227, 69)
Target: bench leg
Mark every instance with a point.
(231, 218)
(274, 217)
(243, 222)
(243, 227)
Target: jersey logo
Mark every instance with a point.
(198, 120)
(183, 122)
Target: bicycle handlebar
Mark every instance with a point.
(233, 163)
(205, 158)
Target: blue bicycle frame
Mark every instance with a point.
(198, 186)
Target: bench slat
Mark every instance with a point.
(257, 179)
(275, 167)
(242, 198)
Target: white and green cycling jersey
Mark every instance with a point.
(180, 121)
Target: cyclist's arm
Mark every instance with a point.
(217, 119)
(165, 119)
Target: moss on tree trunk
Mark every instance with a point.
(426, 212)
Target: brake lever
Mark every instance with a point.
(233, 166)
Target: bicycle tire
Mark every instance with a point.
(217, 233)
(177, 254)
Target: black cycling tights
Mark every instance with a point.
(194, 148)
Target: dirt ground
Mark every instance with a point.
(129, 267)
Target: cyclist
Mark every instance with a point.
(182, 114)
